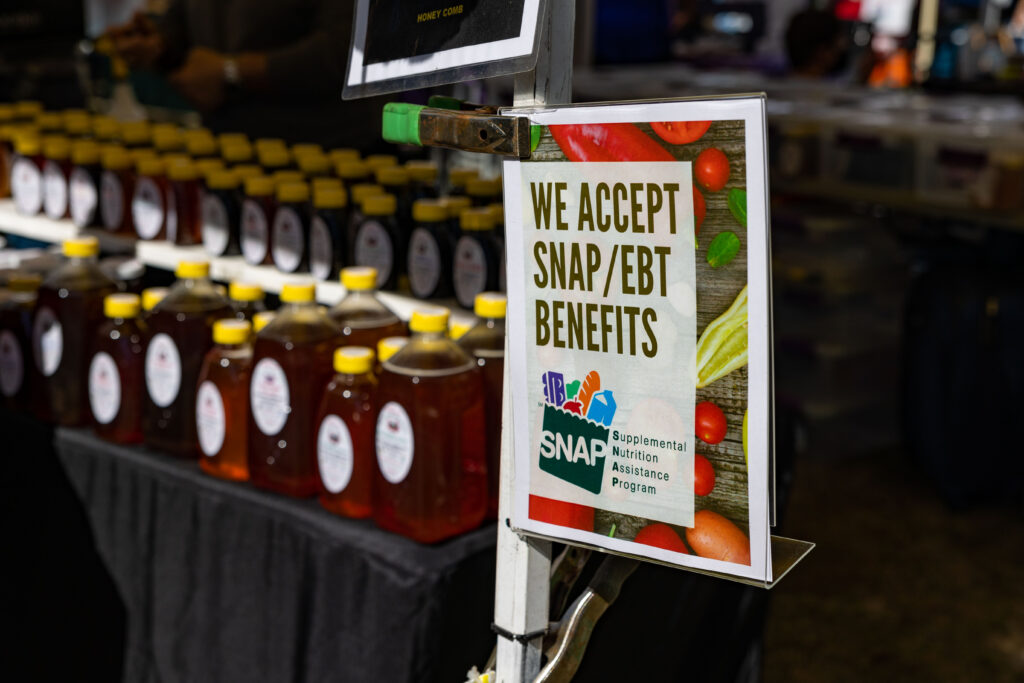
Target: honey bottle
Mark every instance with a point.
(246, 299)
(344, 439)
(222, 401)
(380, 240)
(116, 371)
(432, 469)
(70, 305)
(291, 367)
(18, 376)
(289, 234)
(180, 334)
(363, 318)
(475, 266)
(258, 209)
(486, 342)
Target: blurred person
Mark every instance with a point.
(267, 68)
(816, 44)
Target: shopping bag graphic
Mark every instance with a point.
(573, 448)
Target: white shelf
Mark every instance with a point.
(166, 256)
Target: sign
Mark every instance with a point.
(638, 270)
(407, 44)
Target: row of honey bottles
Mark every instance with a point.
(155, 378)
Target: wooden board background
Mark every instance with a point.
(716, 290)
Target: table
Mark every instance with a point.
(225, 582)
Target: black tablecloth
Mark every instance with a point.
(224, 582)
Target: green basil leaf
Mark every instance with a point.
(738, 205)
(723, 249)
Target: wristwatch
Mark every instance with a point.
(232, 76)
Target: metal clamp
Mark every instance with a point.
(518, 637)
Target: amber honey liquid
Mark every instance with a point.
(345, 445)
(116, 381)
(433, 477)
(17, 370)
(222, 413)
(355, 334)
(486, 342)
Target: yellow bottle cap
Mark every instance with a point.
(429, 211)
(236, 153)
(28, 145)
(197, 134)
(164, 127)
(167, 139)
(429, 319)
(231, 331)
(180, 171)
(135, 132)
(281, 177)
(351, 169)
(361, 191)
(81, 247)
(389, 346)
(116, 159)
(498, 212)
(199, 146)
(121, 306)
(298, 293)
(150, 166)
(477, 219)
(359, 278)
(457, 329)
(221, 180)
(106, 128)
(262, 319)
(293, 192)
(274, 157)
(375, 161)
(141, 153)
(353, 360)
(392, 176)
(78, 125)
(247, 171)
(380, 205)
(85, 153)
(245, 291)
(422, 171)
(312, 164)
(343, 154)
(458, 177)
(480, 187)
(490, 305)
(456, 205)
(302, 149)
(259, 186)
(152, 296)
(192, 269)
(27, 108)
(326, 182)
(49, 121)
(266, 143)
(329, 197)
(6, 112)
(57, 148)
(207, 165)
(227, 139)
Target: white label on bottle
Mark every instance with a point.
(26, 186)
(47, 341)
(211, 424)
(104, 388)
(424, 263)
(254, 233)
(216, 231)
(147, 208)
(111, 201)
(82, 195)
(55, 191)
(12, 365)
(172, 215)
(163, 370)
(321, 249)
(470, 270)
(334, 453)
(373, 248)
(287, 240)
(394, 442)
(269, 396)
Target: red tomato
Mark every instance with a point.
(703, 475)
(711, 169)
(710, 422)
(700, 209)
(561, 513)
(661, 536)
(681, 132)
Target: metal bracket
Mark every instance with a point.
(518, 637)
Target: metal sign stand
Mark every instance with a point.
(524, 564)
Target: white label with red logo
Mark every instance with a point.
(48, 341)
(26, 186)
(394, 442)
(163, 370)
(111, 200)
(104, 388)
(211, 424)
(287, 240)
(82, 195)
(147, 208)
(321, 249)
(269, 396)
(254, 233)
(334, 454)
(216, 231)
(373, 248)
(55, 191)
(12, 365)
(424, 263)
(470, 270)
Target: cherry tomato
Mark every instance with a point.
(710, 422)
(681, 132)
(703, 475)
(700, 209)
(711, 169)
(561, 513)
(661, 536)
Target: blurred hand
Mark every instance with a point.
(138, 41)
(200, 80)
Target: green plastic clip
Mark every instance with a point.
(444, 102)
(401, 123)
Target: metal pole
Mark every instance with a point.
(523, 574)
